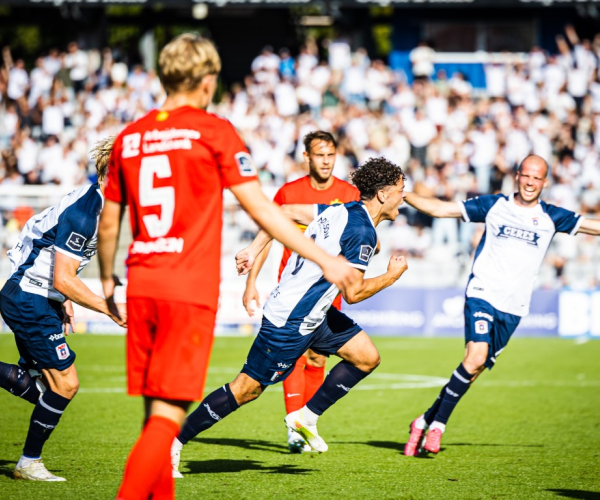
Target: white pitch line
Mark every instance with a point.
(396, 381)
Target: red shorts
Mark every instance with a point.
(168, 348)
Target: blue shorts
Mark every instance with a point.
(37, 324)
(484, 323)
(276, 350)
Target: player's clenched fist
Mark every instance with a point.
(244, 260)
(397, 265)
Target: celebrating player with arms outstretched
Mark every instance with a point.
(298, 316)
(36, 304)
(170, 168)
(518, 231)
(319, 186)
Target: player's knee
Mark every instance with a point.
(370, 362)
(475, 362)
(316, 360)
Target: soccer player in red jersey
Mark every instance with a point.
(170, 168)
(319, 186)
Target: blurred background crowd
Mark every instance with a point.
(453, 140)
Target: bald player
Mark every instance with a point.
(518, 231)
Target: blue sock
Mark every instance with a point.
(429, 415)
(18, 382)
(456, 389)
(336, 385)
(44, 419)
(214, 407)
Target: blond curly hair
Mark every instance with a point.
(101, 155)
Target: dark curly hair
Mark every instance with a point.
(375, 174)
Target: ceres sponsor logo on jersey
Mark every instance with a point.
(529, 237)
(57, 336)
(245, 164)
(487, 316)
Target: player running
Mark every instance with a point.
(298, 316)
(518, 231)
(319, 186)
(170, 168)
(36, 304)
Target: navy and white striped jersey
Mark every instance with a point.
(70, 227)
(303, 295)
(510, 253)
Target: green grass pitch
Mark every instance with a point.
(529, 429)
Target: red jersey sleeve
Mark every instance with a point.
(235, 163)
(113, 184)
(279, 197)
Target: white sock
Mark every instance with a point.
(309, 417)
(421, 423)
(26, 461)
(437, 425)
(176, 446)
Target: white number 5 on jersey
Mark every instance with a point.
(150, 196)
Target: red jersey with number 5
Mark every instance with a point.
(170, 168)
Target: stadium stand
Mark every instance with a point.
(454, 139)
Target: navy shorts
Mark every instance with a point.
(484, 323)
(276, 350)
(37, 324)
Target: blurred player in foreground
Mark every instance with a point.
(319, 186)
(298, 316)
(518, 231)
(36, 304)
(170, 168)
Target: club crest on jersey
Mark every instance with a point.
(62, 351)
(276, 375)
(482, 327)
(245, 164)
(529, 237)
(535, 221)
(366, 252)
(76, 242)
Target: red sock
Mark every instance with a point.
(164, 488)
(293, 387)
(313, 379)
(147, 462)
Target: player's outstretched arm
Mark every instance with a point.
(362, 289)
(433, 206)
(302, 214)
(271, 218)
(590, 226)
(251, 292)
(68, 283)
(109, 228)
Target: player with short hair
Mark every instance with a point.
(36, 304)
(298, 316)
(170, 167)
(518, 231)
(319, 186)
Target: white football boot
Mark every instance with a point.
(295, 422)
(34, 470)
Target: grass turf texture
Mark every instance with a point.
(528, 429)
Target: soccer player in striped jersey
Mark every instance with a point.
(319, 186)
(36, 304)
(518, 232)
(298, 314)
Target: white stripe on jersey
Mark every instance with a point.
(38, 275)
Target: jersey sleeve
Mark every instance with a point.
(564, 220)
(235, 163)
(75, 228)
(476, 209)
(113, 184)
(358, 244)
(279, 197)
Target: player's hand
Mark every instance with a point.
(116, 312)
(68, 317)
(251, 298)
(338, 272)
(244, 260)
(397, 265)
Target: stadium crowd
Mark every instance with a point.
(452, 140)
